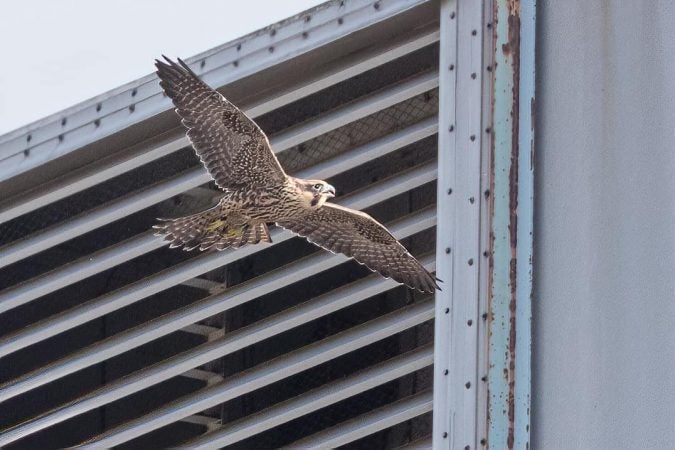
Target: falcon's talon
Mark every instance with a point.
(257, 191)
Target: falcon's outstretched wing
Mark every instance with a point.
(231, 146)
(358, 235)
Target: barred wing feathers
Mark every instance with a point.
(358, 235)
(234, 150)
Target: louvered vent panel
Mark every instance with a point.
(112, 339)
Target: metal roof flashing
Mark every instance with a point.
(104, 116)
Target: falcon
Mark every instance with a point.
(257, 192)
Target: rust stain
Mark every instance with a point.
(532, 114)
(491, 210)
(513, 48)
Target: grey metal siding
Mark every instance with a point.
(604, 301)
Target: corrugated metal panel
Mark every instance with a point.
(154, 347)
(604, 243)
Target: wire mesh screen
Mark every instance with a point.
(360, 132)
(185, 325)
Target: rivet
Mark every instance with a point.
(472, 200)
(483, 378)
(483, 441)
(64, 121)
(271, 49)
(469, 322)
(308, 18)
(305, 35)
(451, 128)
(467, 447)
(470, 261)
(132, 108)
(451, 67)
(376, 5)
(98, 107)
(28, 138)
(238, 47)
(134, 92)
(468, 385)
(484, 316)
(273, 32)
(489, 68)
(449, 191)
(486, 253)
(445, 372)
(474, 32)
(60, 138)
(452, 15)
(488, 130)
(340, 21)
(97, 123)
(447, 250)
(26, 152)
(472, 137)
(489, 24)
(445, 434)
(202, 63)
(486, 193)
(447, 310)
(473, 76)
(235, 63)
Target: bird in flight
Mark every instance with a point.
(257, 191)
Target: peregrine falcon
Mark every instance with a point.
(257, 191)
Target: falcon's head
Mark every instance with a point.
(317, 192)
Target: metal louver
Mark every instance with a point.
(111, 339)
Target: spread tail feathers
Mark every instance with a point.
(208, 229)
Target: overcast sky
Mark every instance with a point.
(56, 53)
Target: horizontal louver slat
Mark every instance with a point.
(368, 424)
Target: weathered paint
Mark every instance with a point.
(511, 224)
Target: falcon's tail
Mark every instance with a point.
(209, 230)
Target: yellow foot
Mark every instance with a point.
(216, 224)
(234, 232)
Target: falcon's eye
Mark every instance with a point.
(317, 186)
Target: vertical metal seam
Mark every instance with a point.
(445, 228)
(459, 232)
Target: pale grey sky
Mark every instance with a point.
(56, 53)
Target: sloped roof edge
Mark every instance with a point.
(112, 111)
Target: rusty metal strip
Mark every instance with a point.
(511, 280)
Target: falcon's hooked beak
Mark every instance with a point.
(329, 190)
